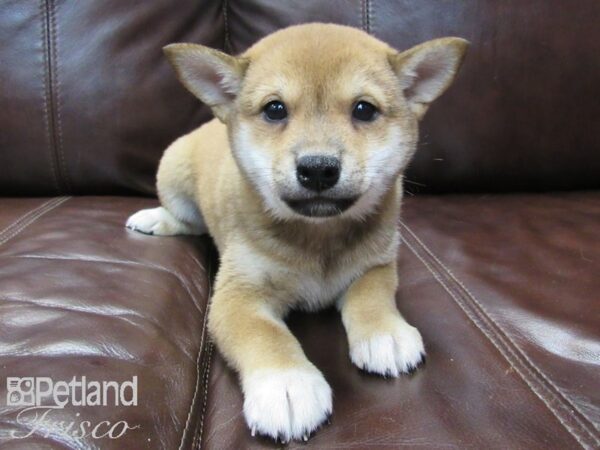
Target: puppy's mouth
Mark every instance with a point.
(320, 206)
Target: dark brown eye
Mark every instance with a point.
(364, 111)
(275, 111)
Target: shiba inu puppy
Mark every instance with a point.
(299, 182)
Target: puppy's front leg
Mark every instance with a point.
(285, 396)
(380, 340)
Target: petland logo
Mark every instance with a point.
(42, 395)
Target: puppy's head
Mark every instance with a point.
(322, 118)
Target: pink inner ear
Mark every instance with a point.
(215, 78)
(427, 75)
(218, 79)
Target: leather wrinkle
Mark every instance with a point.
(83, 310)
(86, 311)
(179, 277)
(504, 344)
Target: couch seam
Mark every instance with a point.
(517, 353)
(198, 358)
(486, 314)
(494, 343)
(43, 209)
(363, 20)
(51, 98)
(193, 402)
(227, 43)
(205, 402)
(370, 16)
(209, 351)
(47, 95)
(24, 216)
(56, 87)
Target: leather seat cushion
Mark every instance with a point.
(82, 296)
(497, 128)
(505, 292)
(503, 289)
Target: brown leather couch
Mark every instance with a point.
(500, 264)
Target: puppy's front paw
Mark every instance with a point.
(157, 221)
(397, 351)
(286, 404)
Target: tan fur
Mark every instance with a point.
(271, 259)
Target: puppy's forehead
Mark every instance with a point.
(319, 57)
(309, 37)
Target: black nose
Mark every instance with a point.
(317, 172)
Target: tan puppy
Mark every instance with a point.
(299, 183)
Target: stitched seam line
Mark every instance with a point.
(503, 343)
(363, 16)
(366, 15)
(486, 333)
(45, 208)
(24, 224)
(47, 93)
(53, 137)
(227, 43)
(24, 217)
(210, 351)
(198, 358)
(486, 315)
(370, 17)
(193, 402)
(205, 403)
(56, 88)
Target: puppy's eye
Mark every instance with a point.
(275, 111)
(364, 111)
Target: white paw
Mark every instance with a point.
(390, 354)
(156, 221)
(286, 404)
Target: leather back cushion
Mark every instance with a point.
(524, 112)
(88, 103)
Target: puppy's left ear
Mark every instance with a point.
(426, 71)
(212, 76)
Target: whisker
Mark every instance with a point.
(414, 182)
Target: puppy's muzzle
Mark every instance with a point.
(317, 174)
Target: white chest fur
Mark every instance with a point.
(302, 286)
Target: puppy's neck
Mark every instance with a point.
(328, 241)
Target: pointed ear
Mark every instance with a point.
(212, 76)
(426, 71)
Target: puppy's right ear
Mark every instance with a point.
(212, 76)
